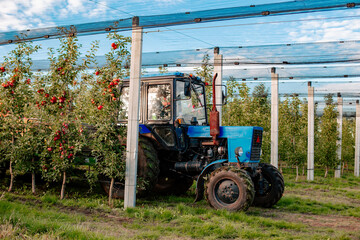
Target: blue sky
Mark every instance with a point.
(25, 14)
(314, 27)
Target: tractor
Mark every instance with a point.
(177, 145)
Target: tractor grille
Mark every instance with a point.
(256, 145)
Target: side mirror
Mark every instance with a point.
(239, 151)
(187, 90)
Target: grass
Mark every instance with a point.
(323, 209)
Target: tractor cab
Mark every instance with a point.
(167, 101)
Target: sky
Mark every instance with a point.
(340, 25)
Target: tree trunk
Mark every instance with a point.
(326, 172)
(342, 168)
(303, 171)
(111, 192)
(11, 170)
(11, 177)
(63, 186)
(297, 173)
(33, 178)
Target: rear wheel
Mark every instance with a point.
(230, 188)
(147, 171)
(270, 191)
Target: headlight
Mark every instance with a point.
(221, 150)
(239, 151)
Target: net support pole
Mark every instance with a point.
(311, 133)
(274, 118)
(133, 116)
(357, 140)
(339, 128)
(218, 68)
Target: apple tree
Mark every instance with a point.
(16, 95)
(348, 142)
(292, 132)
(104, 106)
(328, 135)
(56, 91)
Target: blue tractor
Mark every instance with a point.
(178, 145)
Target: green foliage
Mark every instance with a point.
(163, 69)
(102, 104)
(15, 103)
(293, 131)
(243, 109)
(55, 104)
(205, 72)
(348, 141)
(328, 135)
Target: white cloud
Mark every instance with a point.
(24, 14)
(326, 30)
(344, 88)
(99, 9)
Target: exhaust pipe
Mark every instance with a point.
(214, 120)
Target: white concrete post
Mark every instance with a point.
(311, 133)
(357, 140)
(133, 119)
(274, 118)
(218, 68)
(339, 128)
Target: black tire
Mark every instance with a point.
(147, 172)
(230, 188)
(273, 188)
(169, 185)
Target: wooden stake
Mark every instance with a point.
(111, 192)
(63, 186)
(11, 178)
(33, 179)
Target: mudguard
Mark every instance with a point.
(200, 179)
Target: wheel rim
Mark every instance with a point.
(226, 191)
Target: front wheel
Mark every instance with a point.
(230, 188)
(270, 188)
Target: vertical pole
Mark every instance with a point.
(274, 117)
(311, 133)
(357, 140)
(218, 68)
(133, 119)
(339, 128)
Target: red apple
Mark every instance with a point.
(53, 100)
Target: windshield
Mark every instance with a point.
(188, 107)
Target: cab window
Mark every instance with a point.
(124, 101)
(158, 102)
